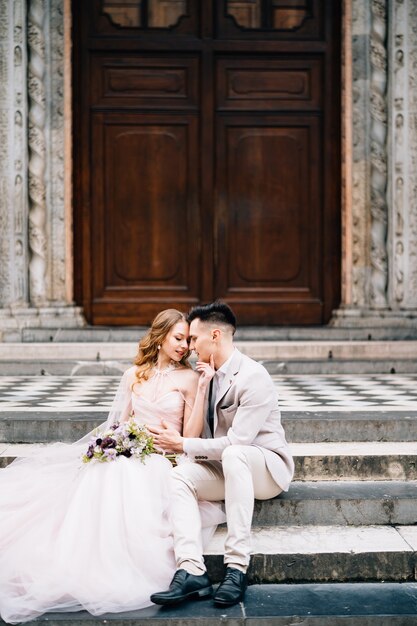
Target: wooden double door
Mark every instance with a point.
(207, 158)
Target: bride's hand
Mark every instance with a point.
(206, 371)
(166, 438)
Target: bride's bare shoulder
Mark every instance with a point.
(188, 373)
(131, 371)
(130, 374)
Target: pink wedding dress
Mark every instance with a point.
(90, 536)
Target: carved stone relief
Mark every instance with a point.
(32, 130)
(57, 275)
(398, 164)
(378, 137)
(403, 162)
(5, 246)
(37, 153)
(360, 155)
(19, 178)
(383, 234)
(13, 177)
(411, 87)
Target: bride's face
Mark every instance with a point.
(175, 344)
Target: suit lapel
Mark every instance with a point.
(231, 372)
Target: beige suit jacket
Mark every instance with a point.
(247, 413)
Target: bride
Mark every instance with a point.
(97, 536)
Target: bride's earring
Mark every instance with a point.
(159, 347)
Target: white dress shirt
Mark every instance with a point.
(217, 383)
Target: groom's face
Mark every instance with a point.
(201, 340)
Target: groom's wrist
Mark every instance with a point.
(179, 445)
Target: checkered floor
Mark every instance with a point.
(296, 393)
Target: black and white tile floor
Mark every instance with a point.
(296, 393)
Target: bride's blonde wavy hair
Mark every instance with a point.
(147, 356)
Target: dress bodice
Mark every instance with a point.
(158, 398)
(168, 407)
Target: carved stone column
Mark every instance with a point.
(37, 152)
(60, 279)
(360, 220)
(13, 161)
(403, 162)
(378, 131)
(35, 165)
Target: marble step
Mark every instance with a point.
(341, 366)
(324, 553)
(305, 604)
(264, 350)
(79, 367)
(37, 425)
(346, 461)
(244, 333)
(351, 502)
(95, 358)
(326, 502)
(350, 426)
(355, 503)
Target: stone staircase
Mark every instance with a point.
(279, 357)
(341, 546)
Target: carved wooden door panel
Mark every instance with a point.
(207, 158)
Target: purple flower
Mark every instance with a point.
(110, 453)
(90, 452)
(107, 442)
(126, 453)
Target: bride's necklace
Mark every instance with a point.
(161, 371)
(159, 376)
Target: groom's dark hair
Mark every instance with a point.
(216, 312)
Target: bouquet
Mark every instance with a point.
(128, 439)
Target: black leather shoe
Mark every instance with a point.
(232, 589)
(184, 586)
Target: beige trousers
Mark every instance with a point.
(241, 477)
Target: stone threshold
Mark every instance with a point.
(355, 604)
(352, 604)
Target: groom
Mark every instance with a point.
(243, 455)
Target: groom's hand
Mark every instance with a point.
(167, 438)
(206, 371)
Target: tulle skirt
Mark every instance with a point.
(84, 536)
